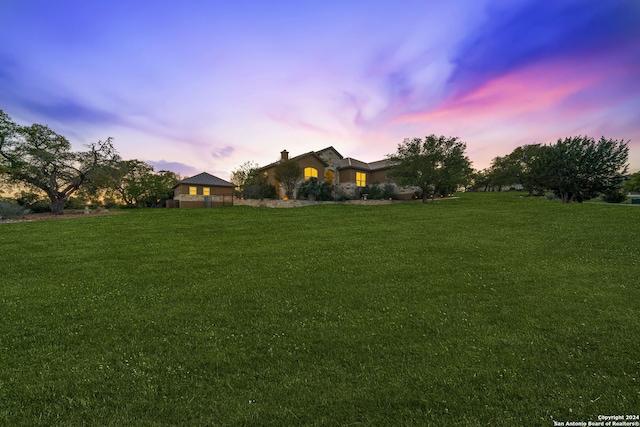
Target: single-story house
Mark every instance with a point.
(203, 190)
(345, 173)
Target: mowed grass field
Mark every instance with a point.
(486, 310)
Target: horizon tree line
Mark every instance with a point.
(575, 168)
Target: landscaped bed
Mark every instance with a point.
(489, 309)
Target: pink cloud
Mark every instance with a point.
(530, 91)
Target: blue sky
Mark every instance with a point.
(198, 86)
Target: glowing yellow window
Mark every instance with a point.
(310, 173)
(361, 179)
(328, 176)
(206, 191)
(193, 191)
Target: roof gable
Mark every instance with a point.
(330, 155)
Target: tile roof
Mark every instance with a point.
(380, 164)
(353, 163)
(373, 166)
(206, 179)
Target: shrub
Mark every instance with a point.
(111, 203)
(389, 191)
(75, 203)
(33, 202)
(260, 191)
(340, 195)
(375, 192)
(40, 206)
(315, 190)
(614, 195)
(11, 210)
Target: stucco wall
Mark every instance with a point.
(183, 190)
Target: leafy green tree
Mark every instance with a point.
(514, 168)
(481, 179)
(41, 158)
(524, 157)
(287, 174)
(504, 171)
(578, 168)
(133, 183)
(244, 175)
(437, 164)
(138, 184)
(257, 187)
(159, 188)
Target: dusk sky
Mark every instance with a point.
(206, 85)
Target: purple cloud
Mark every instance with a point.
(180, 168)
(516, 37)
(223, 152)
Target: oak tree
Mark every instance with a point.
(435, 164)
(39, 157)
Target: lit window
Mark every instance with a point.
(193, 191)
(206, 191)
(328, 176)
(310, 173)
(361, 179)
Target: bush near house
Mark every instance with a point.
(488, 309)
(260, 191)
(313, 189)
(377, 191)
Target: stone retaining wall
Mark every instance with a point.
(274, 203)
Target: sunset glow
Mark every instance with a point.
(207, 86)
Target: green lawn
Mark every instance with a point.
(489, 309)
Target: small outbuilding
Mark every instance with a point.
(203, 191)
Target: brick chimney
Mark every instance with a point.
(284, 155)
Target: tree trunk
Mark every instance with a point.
(567, 197)
(57, 206)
